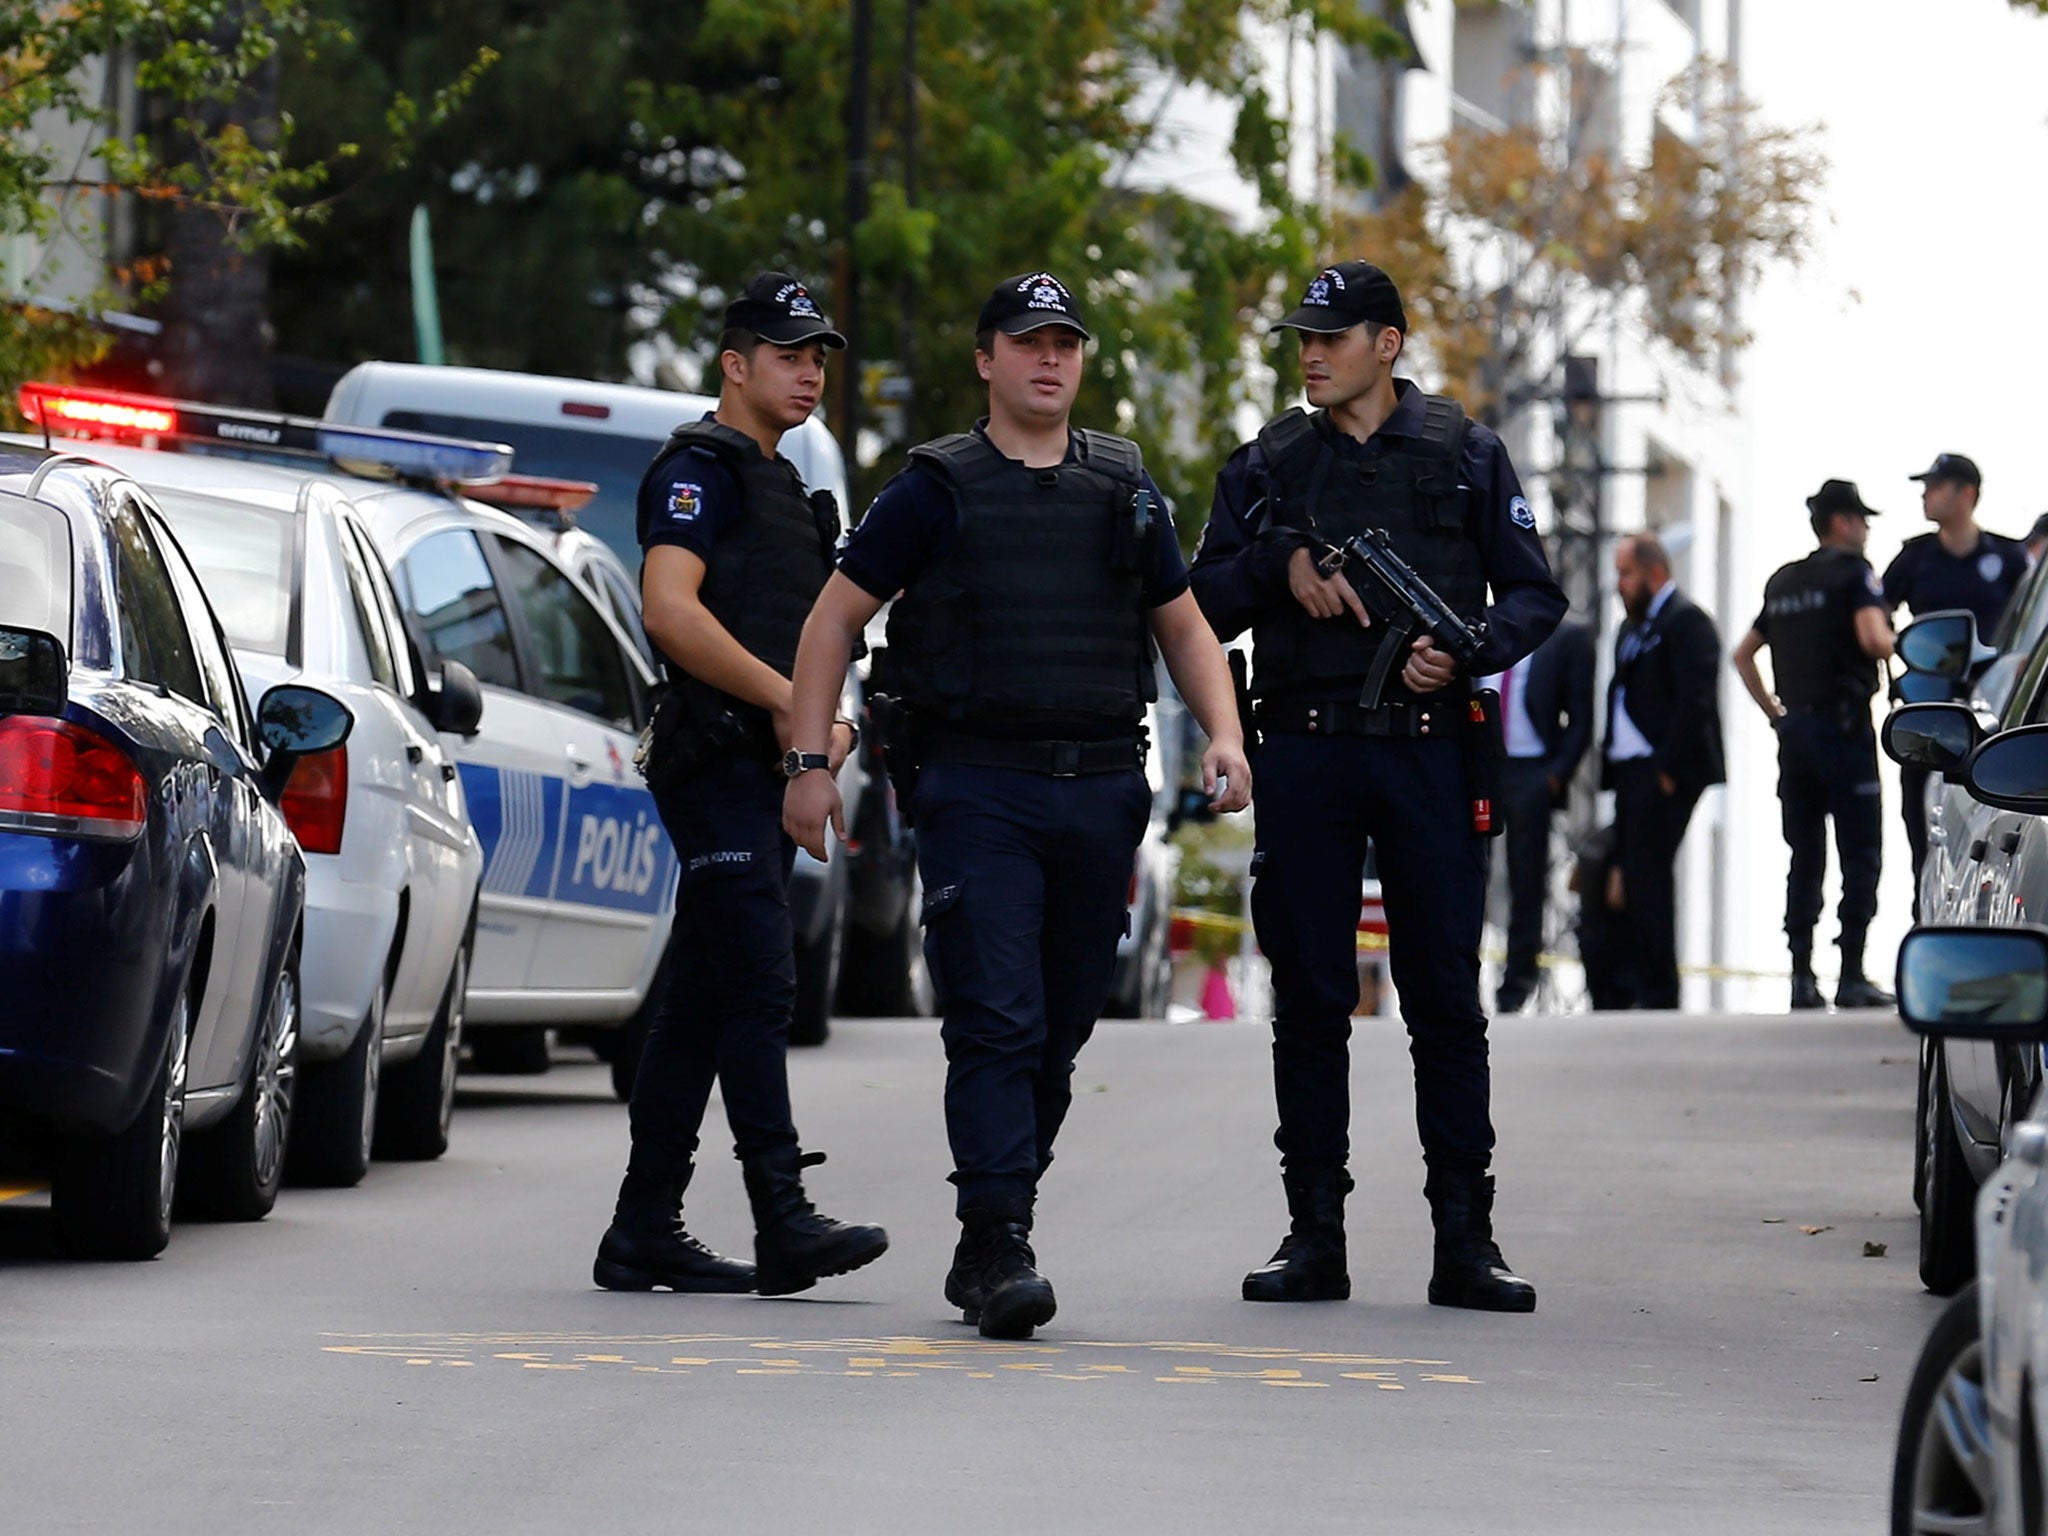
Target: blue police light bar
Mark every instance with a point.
(379, 452)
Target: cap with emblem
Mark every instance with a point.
(1350, 293)
(1028, 301)
(1837, 496)
(1951, 466)
(778, 308)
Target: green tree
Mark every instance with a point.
(208, 150)
(630, 163)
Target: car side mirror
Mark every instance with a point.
(1191, 809)
(33, 676)
(1975, 983)
(1923, 688)
(1936, 737)
(294, 722)
(1943, 644)
(458, 703)
(2010, 771)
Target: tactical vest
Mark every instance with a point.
(1411, 490)
(768, 569)
(1810, 620)
(1039, 607)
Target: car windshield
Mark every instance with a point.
(614, 463)
(248, 559)
(35, 568)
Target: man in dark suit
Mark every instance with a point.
(1546, 703)
(1663, 749)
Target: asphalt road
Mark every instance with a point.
(1713, 1350)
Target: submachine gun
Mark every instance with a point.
(1401, 604)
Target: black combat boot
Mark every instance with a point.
(1806, 990)
(795, 1247)
(1469, 1270)
(1309, 1264)
(1854, 989)
(647, 1245)
(995, 1280)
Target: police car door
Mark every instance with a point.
(512, 771)
(616, 876)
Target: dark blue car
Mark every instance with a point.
(150, 889)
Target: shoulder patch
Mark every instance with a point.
(1871, 583)
(685, 501)
(1520, 513)
(1991, 566)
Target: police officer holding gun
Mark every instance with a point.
(1293, 551)
(736, 551)
(1037, 570)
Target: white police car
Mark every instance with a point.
(578, 878)
(392, 861)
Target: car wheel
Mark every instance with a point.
(337, 1108)
(517, 1050)
(886, 976)
(111, 1196)
(1942, 1473)
(1948, 1197)
(817, 978)
(418, 1103)
(234, 1168)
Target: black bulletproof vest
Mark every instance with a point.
(768, 569)
(1809, 618)
(1039, 606)
(1411, 490)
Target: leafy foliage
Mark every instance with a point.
(631, 163)
(65, 153)
(1527, 246)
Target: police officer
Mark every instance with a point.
(1959, 565)
(1377, 452)
(1037, 566)
(735, 552)
(1824, 620)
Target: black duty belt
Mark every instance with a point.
(1339, 718)
(1061, 759)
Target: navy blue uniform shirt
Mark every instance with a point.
(915, 520)
(1240, 569)
(691, 499)
(1927, 578)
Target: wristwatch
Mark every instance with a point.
(795, 764)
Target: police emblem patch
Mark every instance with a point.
(1520, 513)
(1991, 566)
(684, 501)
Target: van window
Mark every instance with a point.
(612, 462)
(580, 662)
(445, 584)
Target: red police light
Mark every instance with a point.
(96, 412)
(534, 491)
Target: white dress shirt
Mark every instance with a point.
(1624, 740)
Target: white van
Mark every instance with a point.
(563, 428)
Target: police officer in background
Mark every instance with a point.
(735, 553)
(1376, 453)
(1036, 566)
(1959, 565)
(1824, 620)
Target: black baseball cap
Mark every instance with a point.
(778, 308)
(1838, 496)
(1350, 293)
(1027, 301)
(1951, 466)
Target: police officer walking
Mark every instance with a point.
(1825, 623)
(1959, 565)
(1036, 567)
(1377, 453)
(735, 552)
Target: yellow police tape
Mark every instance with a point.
(1376, 943)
